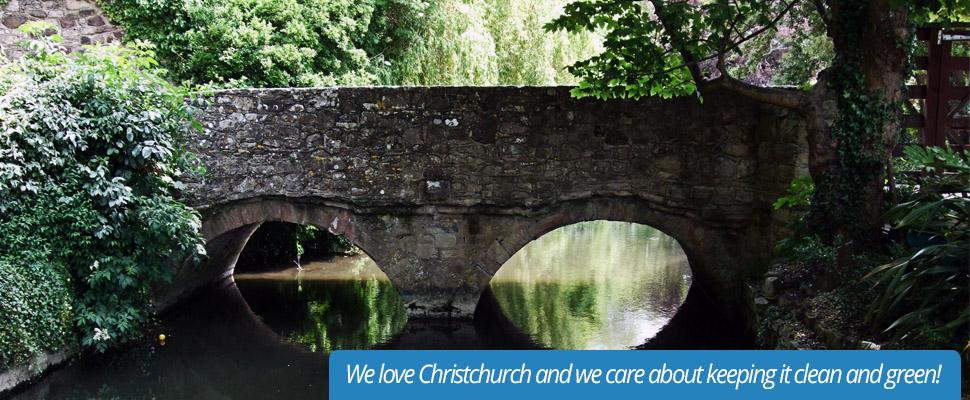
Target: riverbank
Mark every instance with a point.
(18, 377)
(800, 307)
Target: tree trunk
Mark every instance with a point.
(851, 138)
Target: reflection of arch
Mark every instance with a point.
(228, 227)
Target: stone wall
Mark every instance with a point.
(80, 22)
(440, 186)
(497, 146)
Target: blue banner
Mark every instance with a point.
(748, 375)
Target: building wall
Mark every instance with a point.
(80, 22)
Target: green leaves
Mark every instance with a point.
(651, 46)
(937, 11)
(269, 43)
(925, 293)
(89, 171)
(799, 194)
(36, 304)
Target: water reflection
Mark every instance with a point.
(343, 303)
(594, 285)
(267, 335)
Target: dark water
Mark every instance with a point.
(268, 335)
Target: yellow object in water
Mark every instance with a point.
(161, 338)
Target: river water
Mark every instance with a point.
(595, 285)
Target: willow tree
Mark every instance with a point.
(680, 48)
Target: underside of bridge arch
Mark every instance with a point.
(440, 259)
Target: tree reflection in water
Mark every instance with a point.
(344, 303)
(594, 285)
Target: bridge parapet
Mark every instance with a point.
(505, 146)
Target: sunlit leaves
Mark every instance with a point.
(270, 43)
(937, 11)
(89, 172)
(650, 44)
(489, 42)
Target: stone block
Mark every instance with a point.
(446, 240)
(770, 287)
(13, 21)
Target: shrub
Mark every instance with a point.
(924, 294)
(89, 169)
(36, 313)
(269, 43)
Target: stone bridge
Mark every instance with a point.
(440, 186)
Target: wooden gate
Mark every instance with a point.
(941, 93)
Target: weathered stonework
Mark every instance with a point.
(80, 22)
(440, 186)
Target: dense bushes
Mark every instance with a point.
(277, 43)
(36, 301)
(89, 170)
(269, 43)
(917, 292)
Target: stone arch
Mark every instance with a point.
(717, 253)
(227, 228)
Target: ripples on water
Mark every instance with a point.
(590, 285)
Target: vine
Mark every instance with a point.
(858, 129)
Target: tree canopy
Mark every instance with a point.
(674, 48)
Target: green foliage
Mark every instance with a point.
(807, 249)
(270, 43)
(808, 53)
(801, 246)
(489, 42)
(791, 53)
(799, 193)
(90, 164)
(646, 42)
(314, 242)
(36, 305)
(650, 44)
(937, 11)
(925, 293)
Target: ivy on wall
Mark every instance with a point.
(859, 130)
